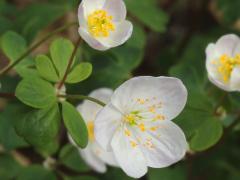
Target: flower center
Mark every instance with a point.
(132, 117)
(90, 127)
(225, 65)
(100, 23)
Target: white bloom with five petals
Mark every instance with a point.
(136, 124)
(223, 62)
(102, 23)
(93, 154)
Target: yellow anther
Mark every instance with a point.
(152, 109)
(133, 144)
(90, 127)
(127, 132)
(100, 23)
(141, 101)
(159, 117)
(142, 127)
(154, 128)
(225, 65)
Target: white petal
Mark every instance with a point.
(162, 146)
(90, 6)
(91, 41)
(106, 123)
(211, 56)
(220, 84)
(90, 109)
(81, 16)
(235, 79)
(92, 160)
(116, 8)
(120, 35)
(214, 76)
(226, 44)
(105, 156)
(130, 159)
(237, 49)
(167, 94)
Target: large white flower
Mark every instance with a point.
(93, 154)
(103, 24)
(137, 124)
(223, 62)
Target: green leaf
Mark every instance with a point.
(177, 172)
(207, 135)
(116, 174)
(36, 172)
(8, 137)
(80, 178)
(46, 68)
(75, 124)
(61, 51)
(149, 14)
(36, 92)
(70, 157)
(81, 72)
(40, 128)
(13, 46)
(9, 168)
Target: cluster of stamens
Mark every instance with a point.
(100, 24)
(136, 119)
(225, 65)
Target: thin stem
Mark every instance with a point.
(69, 64)
(37, 44)
(7, 95)
(82, 97)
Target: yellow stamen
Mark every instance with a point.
(133, 144)
(142, 127)
(225, 65)
(159, 117)
(130, 118)
(127, 132)
(90, 127)
(100, 23)
(152, 109)
(141, 101)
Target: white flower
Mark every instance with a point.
(93, 154)
(223, 62)
(103, 24)
(136, 124)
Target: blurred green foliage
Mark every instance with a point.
(169, 38)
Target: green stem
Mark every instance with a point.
(37, 44)
(7, 95)
(61, 83)
(82, 97)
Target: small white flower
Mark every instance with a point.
(103, 24)
(93, 154)
(223, 62)
(137, 125)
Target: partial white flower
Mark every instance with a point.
(93, 154)
(223, 62)
(137, 124)
(103, 24)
